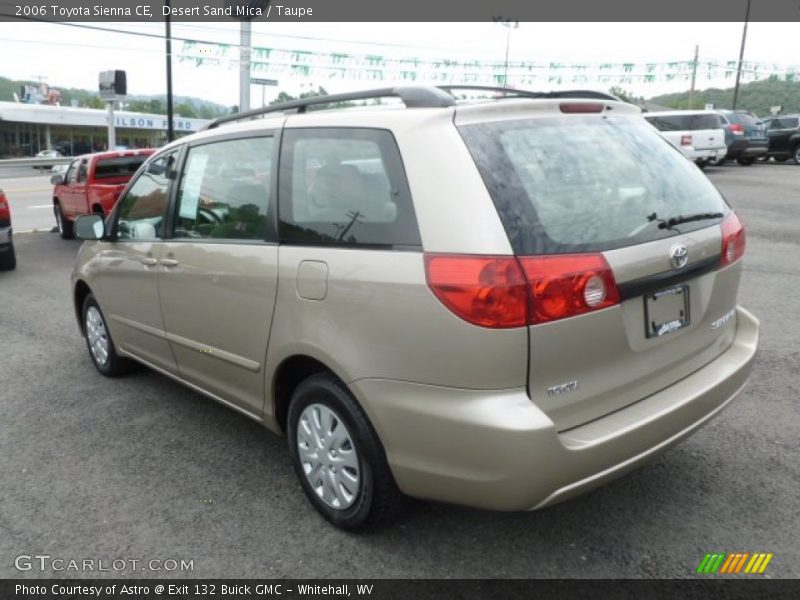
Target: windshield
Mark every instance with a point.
(579, 184)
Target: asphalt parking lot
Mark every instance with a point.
(142, 468)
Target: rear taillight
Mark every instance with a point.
(581, 107)
(686, 140)
(566, 285)
(489, 291)
(733, 240)
(505, 292)
(5, 211)
(737, 129)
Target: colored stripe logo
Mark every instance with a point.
(729, 563)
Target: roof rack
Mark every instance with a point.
(512, 92)
(420, 96)
(412, 97)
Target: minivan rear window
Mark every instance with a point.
(587, 183)
(690, 122)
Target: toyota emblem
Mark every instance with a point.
(678, 256)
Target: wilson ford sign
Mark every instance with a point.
(44, 114)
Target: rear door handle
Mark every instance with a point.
(150, 262)
(169, 262)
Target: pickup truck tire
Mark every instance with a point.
(796, 154)
(65, 227)
(8, 259)
(745, 162)
(781, 158)
(99, 342)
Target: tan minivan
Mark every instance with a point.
(499, 303)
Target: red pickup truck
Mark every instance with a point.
(92, 184)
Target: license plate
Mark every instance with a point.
(666, 311)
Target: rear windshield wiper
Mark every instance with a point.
(680, 219)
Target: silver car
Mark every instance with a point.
(499, 303)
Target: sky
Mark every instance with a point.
(72, 56)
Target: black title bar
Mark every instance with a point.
(405, 10)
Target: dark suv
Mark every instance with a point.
(783, 133)
(745, 137)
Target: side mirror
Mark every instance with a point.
(57, 179)
(90, 227)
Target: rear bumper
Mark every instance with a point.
(497, 450)
(747, 148)
(708, 153)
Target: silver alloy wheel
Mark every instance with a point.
(97, 336)
(797, 155)
(328, 456)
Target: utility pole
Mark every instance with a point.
(694, 75)
(509, 25)
(741, 57)
(244, 66)
(170, 124)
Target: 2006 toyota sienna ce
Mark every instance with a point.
(499, 303)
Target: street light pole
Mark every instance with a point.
(741, 56)
(170, 124)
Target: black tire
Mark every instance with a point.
(377, 501)
(781, 158)
(114, 365)
(745, 162)
(65, 227)
(8, 258)
(796, 154)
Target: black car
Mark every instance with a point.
(783, 133)
(745, 136)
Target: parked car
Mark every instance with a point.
(783, 133)
(745, 137)
(499, 304)
(697, 133)
(46, 154)
(92, 184)
(8, 258)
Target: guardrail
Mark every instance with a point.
(43, 163)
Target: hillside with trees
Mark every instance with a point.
(184, 106)
(756, 96)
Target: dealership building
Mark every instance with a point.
(26, 129)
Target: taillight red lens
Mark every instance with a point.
(489, 291)
(686, 140)
(505, 292)
(566, 285)
(737, 129)
(733, 240)
(581, 107)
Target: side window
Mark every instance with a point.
(344, 187)
(72, 174)
(224, 190)
(140, 215)
(82, 172)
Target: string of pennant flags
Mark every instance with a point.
(347, 66)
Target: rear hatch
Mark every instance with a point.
(623, 302)
(707, 132)
(702, 131)
(751, 126)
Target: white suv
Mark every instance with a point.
(699, 134)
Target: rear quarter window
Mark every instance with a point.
(575, 184)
